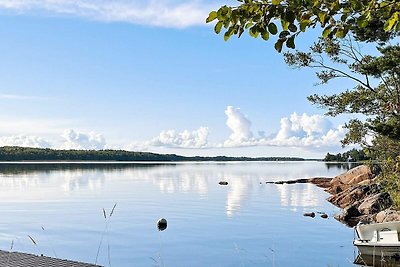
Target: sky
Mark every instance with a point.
(146, 75)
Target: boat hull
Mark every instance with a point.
(378, 250)
(376, 261)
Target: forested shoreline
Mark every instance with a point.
(13, 153)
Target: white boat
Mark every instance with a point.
(378, 239)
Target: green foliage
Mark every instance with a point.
(370, 20)
(390, 179)
(380, 103)
(383, 148)
(353, 155)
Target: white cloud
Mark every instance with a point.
(310, 131)
(240, 126)
(77, 140)
(24, 141)
(302, 126)
(71, 139)
(307, 130)
(155, 13)
(185, 139)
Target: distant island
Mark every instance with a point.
(353, 155)
(15, 153)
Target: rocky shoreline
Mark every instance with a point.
(358, 193)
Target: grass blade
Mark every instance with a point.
(112, 211)
(33, 241)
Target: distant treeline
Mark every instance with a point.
(13, 153)
(351, 156)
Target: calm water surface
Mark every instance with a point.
(247, 223)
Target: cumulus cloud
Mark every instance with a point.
(240, 126)
(307, 130)
(303, 125)
(185, 139)
(302, 131)
(24, 141)
(71, 139)
(295, 131)
(175, 14)
(78, 140)
(174, 139)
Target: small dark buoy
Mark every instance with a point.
(309, 214)
(324, 216)
(223, 183)
(162, 224)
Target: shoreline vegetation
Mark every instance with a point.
(14, 153)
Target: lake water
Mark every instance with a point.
(246, 223)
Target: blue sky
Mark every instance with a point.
(141, 75)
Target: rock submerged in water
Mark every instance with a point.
(223, 183)
(309, 214)
(324, 216)
(319, 181)
(161, 224)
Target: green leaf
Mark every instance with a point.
(322, 17)
(285, 24)
(254, 31)
(290, 16)
(240, 32)
(290, 42)
(218, 27)
(278, 45)
(265, 35)
(341, 32)
(272, 28)
(228, 33)
(304, 24)
(326, 32)
(362, 21)
(213, 15)
(335, 6)
(391, 22)
(397, 29)
(226, 23)
(276, 2)
(283, 34)
(292, 28)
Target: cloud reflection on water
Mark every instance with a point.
(59, 181)
(299, 195)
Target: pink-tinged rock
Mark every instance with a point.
(388, 215)
(375, 203)
(354, 176)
